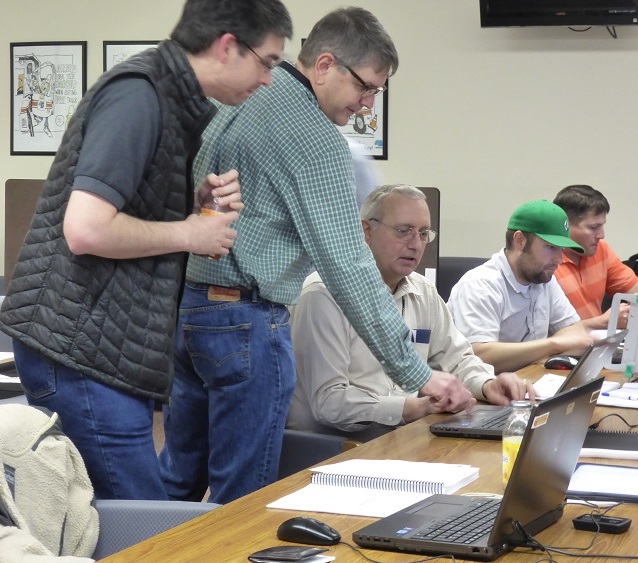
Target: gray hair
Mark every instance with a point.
(354, 36)
(371, 207)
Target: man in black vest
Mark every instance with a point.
(93, 300)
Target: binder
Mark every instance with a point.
(611, 440)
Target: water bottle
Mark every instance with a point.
(513, 435)
(214, 209)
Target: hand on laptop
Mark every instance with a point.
(446, 393)
(508, 387)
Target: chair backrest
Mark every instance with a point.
(451, 268)
(301, 450)
(127, 522)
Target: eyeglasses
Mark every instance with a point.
(407, 233)
(268, 65)
(366, 88)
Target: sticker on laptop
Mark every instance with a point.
(540, 420)
(594, 396)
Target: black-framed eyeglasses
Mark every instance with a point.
(366, 88)
(268, 65)
(407, 233)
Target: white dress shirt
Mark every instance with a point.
(341, 385)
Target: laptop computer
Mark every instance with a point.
(533, 499)
(488, 421)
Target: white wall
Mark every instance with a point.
(492, 117)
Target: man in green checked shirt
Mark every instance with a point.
(234, 368)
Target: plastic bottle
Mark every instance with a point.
(214, 209)
(513, 435)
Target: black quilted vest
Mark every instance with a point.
(113, 320)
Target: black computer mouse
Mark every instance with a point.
(560, 362)
(303, 529)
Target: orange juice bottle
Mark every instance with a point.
(216, 209)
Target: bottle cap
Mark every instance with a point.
(521, 404)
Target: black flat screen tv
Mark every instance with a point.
(510, 13)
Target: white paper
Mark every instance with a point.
(9, 378)
(608, 453)
(548, 385)
(345, 500)
(605, 479)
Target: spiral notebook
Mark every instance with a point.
(375, 488)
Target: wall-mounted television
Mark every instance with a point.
(509, 13)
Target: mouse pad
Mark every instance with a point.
(285, 553)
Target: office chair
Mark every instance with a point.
(127, 522)
(450, 270)
(302, 449)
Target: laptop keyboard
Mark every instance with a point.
(465, 527)
(496, 421)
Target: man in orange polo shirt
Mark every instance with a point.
(587, 278)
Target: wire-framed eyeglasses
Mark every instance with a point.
(407, 233)
(268, 65)
(366, 88)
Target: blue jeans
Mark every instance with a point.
(112, 429)
(234, 376)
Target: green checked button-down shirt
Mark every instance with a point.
(297, 179)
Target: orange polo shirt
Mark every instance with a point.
(586, 284)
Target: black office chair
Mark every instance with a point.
(450, 270)
(301, 450)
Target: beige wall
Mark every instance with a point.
(491, 117)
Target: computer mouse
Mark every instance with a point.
(560, 362)
(303, 529)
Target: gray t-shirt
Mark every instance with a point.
(122, 131)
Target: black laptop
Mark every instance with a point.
(480, 528)
(487, 421)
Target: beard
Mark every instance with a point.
(532, 274)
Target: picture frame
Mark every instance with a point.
(369, 127)
(48, 80)
(114, 52)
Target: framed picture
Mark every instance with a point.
(47, 82)
(118, 51)
(369, 127)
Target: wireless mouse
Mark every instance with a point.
(302, 529)
(560, 362)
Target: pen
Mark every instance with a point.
(620, 395)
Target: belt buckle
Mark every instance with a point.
(226, 294)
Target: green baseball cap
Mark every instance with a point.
(546, 220)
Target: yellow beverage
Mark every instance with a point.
(207, 211)
(511, 445)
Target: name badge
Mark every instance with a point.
(420, 336)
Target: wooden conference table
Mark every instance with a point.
(234, 531)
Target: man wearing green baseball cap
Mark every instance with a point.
(511, 308)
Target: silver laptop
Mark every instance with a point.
(533, 499)
(488, 421)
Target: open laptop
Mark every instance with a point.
(488, 421)
(534, 496)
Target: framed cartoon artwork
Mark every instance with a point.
(47, 82)
(369, 127)
(118, 51)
